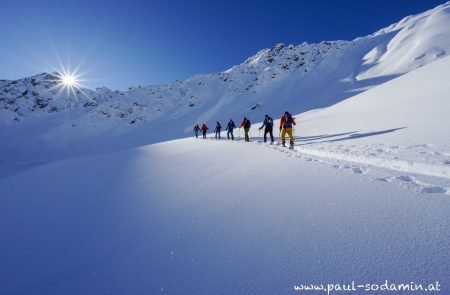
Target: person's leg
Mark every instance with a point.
(265, 134)
(232, 136)
(246, 134)
(283, 135)
(228, 134)
(271, 134)
(291, 137)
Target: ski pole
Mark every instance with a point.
(279, 134)
(293, 131)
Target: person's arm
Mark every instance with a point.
(264, 124)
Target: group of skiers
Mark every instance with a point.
(287, 123)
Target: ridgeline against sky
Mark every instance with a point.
(118, 44)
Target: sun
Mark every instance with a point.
(65, 78)
(69, 80)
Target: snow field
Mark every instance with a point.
(206, 216)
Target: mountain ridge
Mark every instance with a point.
(250, 83)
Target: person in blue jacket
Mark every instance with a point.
(268, 123)
(218, 129)
(229, 129)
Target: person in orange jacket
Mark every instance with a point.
(287, 122)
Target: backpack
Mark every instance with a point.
(269, 122)
(247, 124)
(288, 118)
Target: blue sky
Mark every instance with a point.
(123, 43)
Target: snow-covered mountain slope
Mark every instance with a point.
(417, 40)
(363, 197)
(415, 107)
(41, 124)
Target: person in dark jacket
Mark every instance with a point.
(246, 125)
(268, 123)
(204, 130)
(229, 129)
(218, 129)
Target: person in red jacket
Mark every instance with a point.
(286, 124)
(204, 130)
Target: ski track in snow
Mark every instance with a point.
(379, 162)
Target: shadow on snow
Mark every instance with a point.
(307, 140)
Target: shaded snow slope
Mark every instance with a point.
(41, 124)
(204, 217)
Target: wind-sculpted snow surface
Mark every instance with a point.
(206, 217)
(422, 178)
